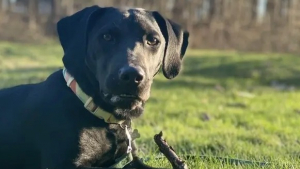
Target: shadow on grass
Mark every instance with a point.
(262, 72)
(49, 69)
(181, 82)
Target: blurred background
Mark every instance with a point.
(237, 96)
(248, 25)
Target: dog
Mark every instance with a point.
(80, 116)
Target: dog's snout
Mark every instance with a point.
(131, 75)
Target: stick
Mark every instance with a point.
(169, 152)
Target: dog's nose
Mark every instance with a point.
(131, 75)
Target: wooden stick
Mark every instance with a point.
(169, 152)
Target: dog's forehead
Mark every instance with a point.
(140, 15)
(137, 12)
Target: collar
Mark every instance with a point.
(88, 101)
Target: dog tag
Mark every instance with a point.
(129, 148)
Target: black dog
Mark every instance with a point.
(81, 117)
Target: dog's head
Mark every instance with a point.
(114, 54)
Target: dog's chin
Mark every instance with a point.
(129, 113)
(125, 106)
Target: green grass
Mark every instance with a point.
(205, 110)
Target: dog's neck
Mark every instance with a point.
(97, 111)
(88, 101)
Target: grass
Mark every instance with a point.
(224, 103)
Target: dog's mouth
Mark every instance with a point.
(126, 101)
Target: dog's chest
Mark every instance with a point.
(100, 147)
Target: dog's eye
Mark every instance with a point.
(152, 41)
(107, 37)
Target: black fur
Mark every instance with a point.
(176, 45)
(45, 125)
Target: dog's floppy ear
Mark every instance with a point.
(176, 44)
(73, 31)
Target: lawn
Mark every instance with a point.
(224, 103)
